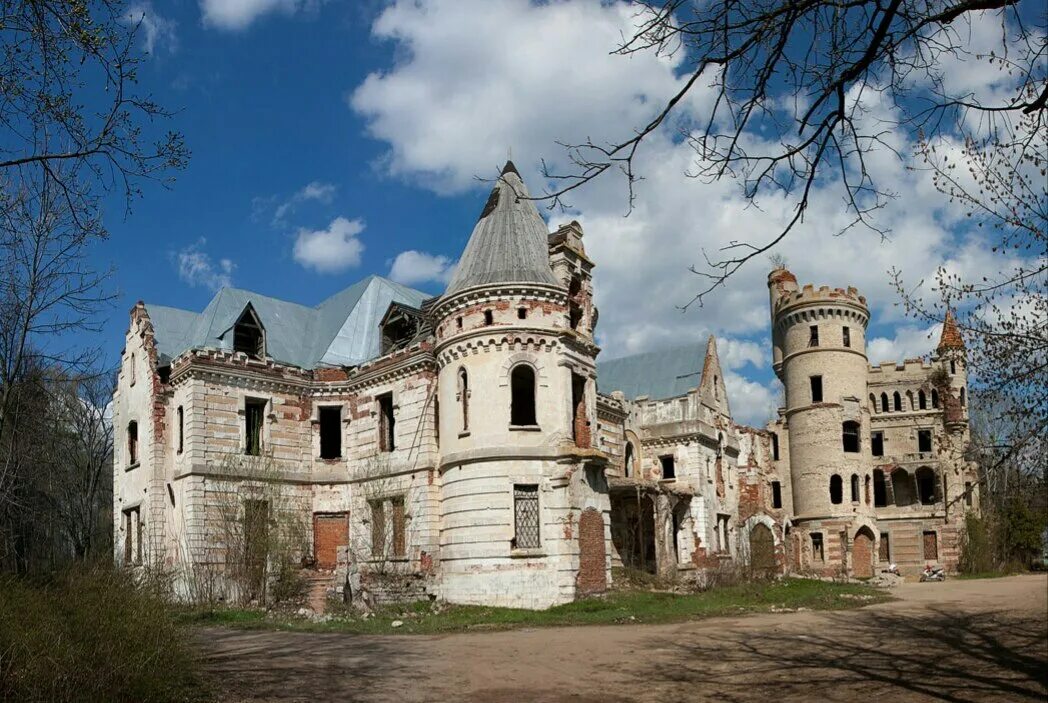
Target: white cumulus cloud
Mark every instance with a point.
(332, 249)
(239, 14)
(414, 267)
(196, 267)
(316, 191)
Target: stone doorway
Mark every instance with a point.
(762, 550)
(330, 531)
(862, 554)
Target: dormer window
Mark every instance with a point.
(248, 335)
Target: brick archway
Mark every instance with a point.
(592, 577)
(862, 554)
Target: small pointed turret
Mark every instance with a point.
(509, 241)
(951, 336)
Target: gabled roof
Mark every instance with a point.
(509, 243)
(342, 330)
(666, 373)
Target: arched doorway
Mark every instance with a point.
(762, 550)
(592, 576)
(862, 554)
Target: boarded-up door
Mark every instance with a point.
(862, 554)
(592, 576)
(762, 550)
(330, 531)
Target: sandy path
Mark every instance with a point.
(984, 640)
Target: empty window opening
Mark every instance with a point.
(399, 525)
(909, 401)
(877, 443)
(387, 423)
(580, 418)
(133, 532)
(522, 313)
(776, 494)
(813, 336)
(880, 489)
(847, 336)
(458, 322)
(935, 398)
(574, 316)
(669, 469)
(378, 528)
(922, 400)
(953, 367)
(931, 545)
(816, 389)
(627, 464)
(925, 485)
(962, 397)
(489, 317)
(968, 493)
(897, 401)
(855, 488)
(132, 443)
(924, 441)
(873, 403)
(254, 412)
(248, 336)
(526, 517)
(836, 489)
(817, 552)
(903, 488)
(463, 398)
(850, 436)
(884, 402)
(884, 550)
(522, 388)
(330, 432)
(775, 446)
(723, 533)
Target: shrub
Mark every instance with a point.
(91, 635)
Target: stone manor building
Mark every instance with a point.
(469, 446)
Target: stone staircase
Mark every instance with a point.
(317, 583)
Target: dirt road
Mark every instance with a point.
(984, 640)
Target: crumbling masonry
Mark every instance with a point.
(469, 447)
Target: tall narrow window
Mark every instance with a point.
(775, 446)
(133, 532)
(924, 441)
(877, 443)
(909, 401)
(847, 336)
(813, 336)
(463, 397)
(884, 550)
(627, 464)
(968, 493)
(925, 485)
(669, 468)
(880, 489)
(931, 545)
(526, 517)
(181, 418)
(387, 423)
(399, 524)
(254, 412)
(953, 367)
(922, 400)
(378, 528)
(580, 418)
(836, 489)
(855, 488)
(330, 432)
(816, 389)
(935, 398)
(489, 317)
(248, 336)
(776, 494)
(522, 402)
(132, 443)
(850, 436)
(962, 398)
(817, 552)
(897, 401)
(884, 402)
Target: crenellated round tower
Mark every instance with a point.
(516, 396)
(819, 354)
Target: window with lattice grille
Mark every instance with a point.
(526, 516)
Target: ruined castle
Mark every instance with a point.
(470, 447)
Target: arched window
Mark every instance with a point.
(935, 398)
(463, 393)
(897, 401)
(909, 401)
(873, 403)
(836, 489)
(884, 402)
(522, 386)
(627, 465)
(880, 489)
(953, 367)
(850, 436)
(902, 487)
(132, 443)
(922, 400)
(855, 488)
(868, 489)
(489, 317)
(925, 485)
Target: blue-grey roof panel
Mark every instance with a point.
(665, 373)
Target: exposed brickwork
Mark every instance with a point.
(592, 553)
(951, 336)
(329, 533)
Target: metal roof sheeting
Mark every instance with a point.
(665, 373)
(342, 330)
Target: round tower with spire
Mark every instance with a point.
(524, 508)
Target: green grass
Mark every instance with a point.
(617, 607)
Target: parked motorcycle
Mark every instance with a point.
(933, 573)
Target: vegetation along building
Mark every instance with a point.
(469, 447)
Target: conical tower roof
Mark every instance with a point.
(951, 336)
(509, 241)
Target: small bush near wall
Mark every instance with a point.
(91, 635)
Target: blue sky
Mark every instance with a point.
(331, 138)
